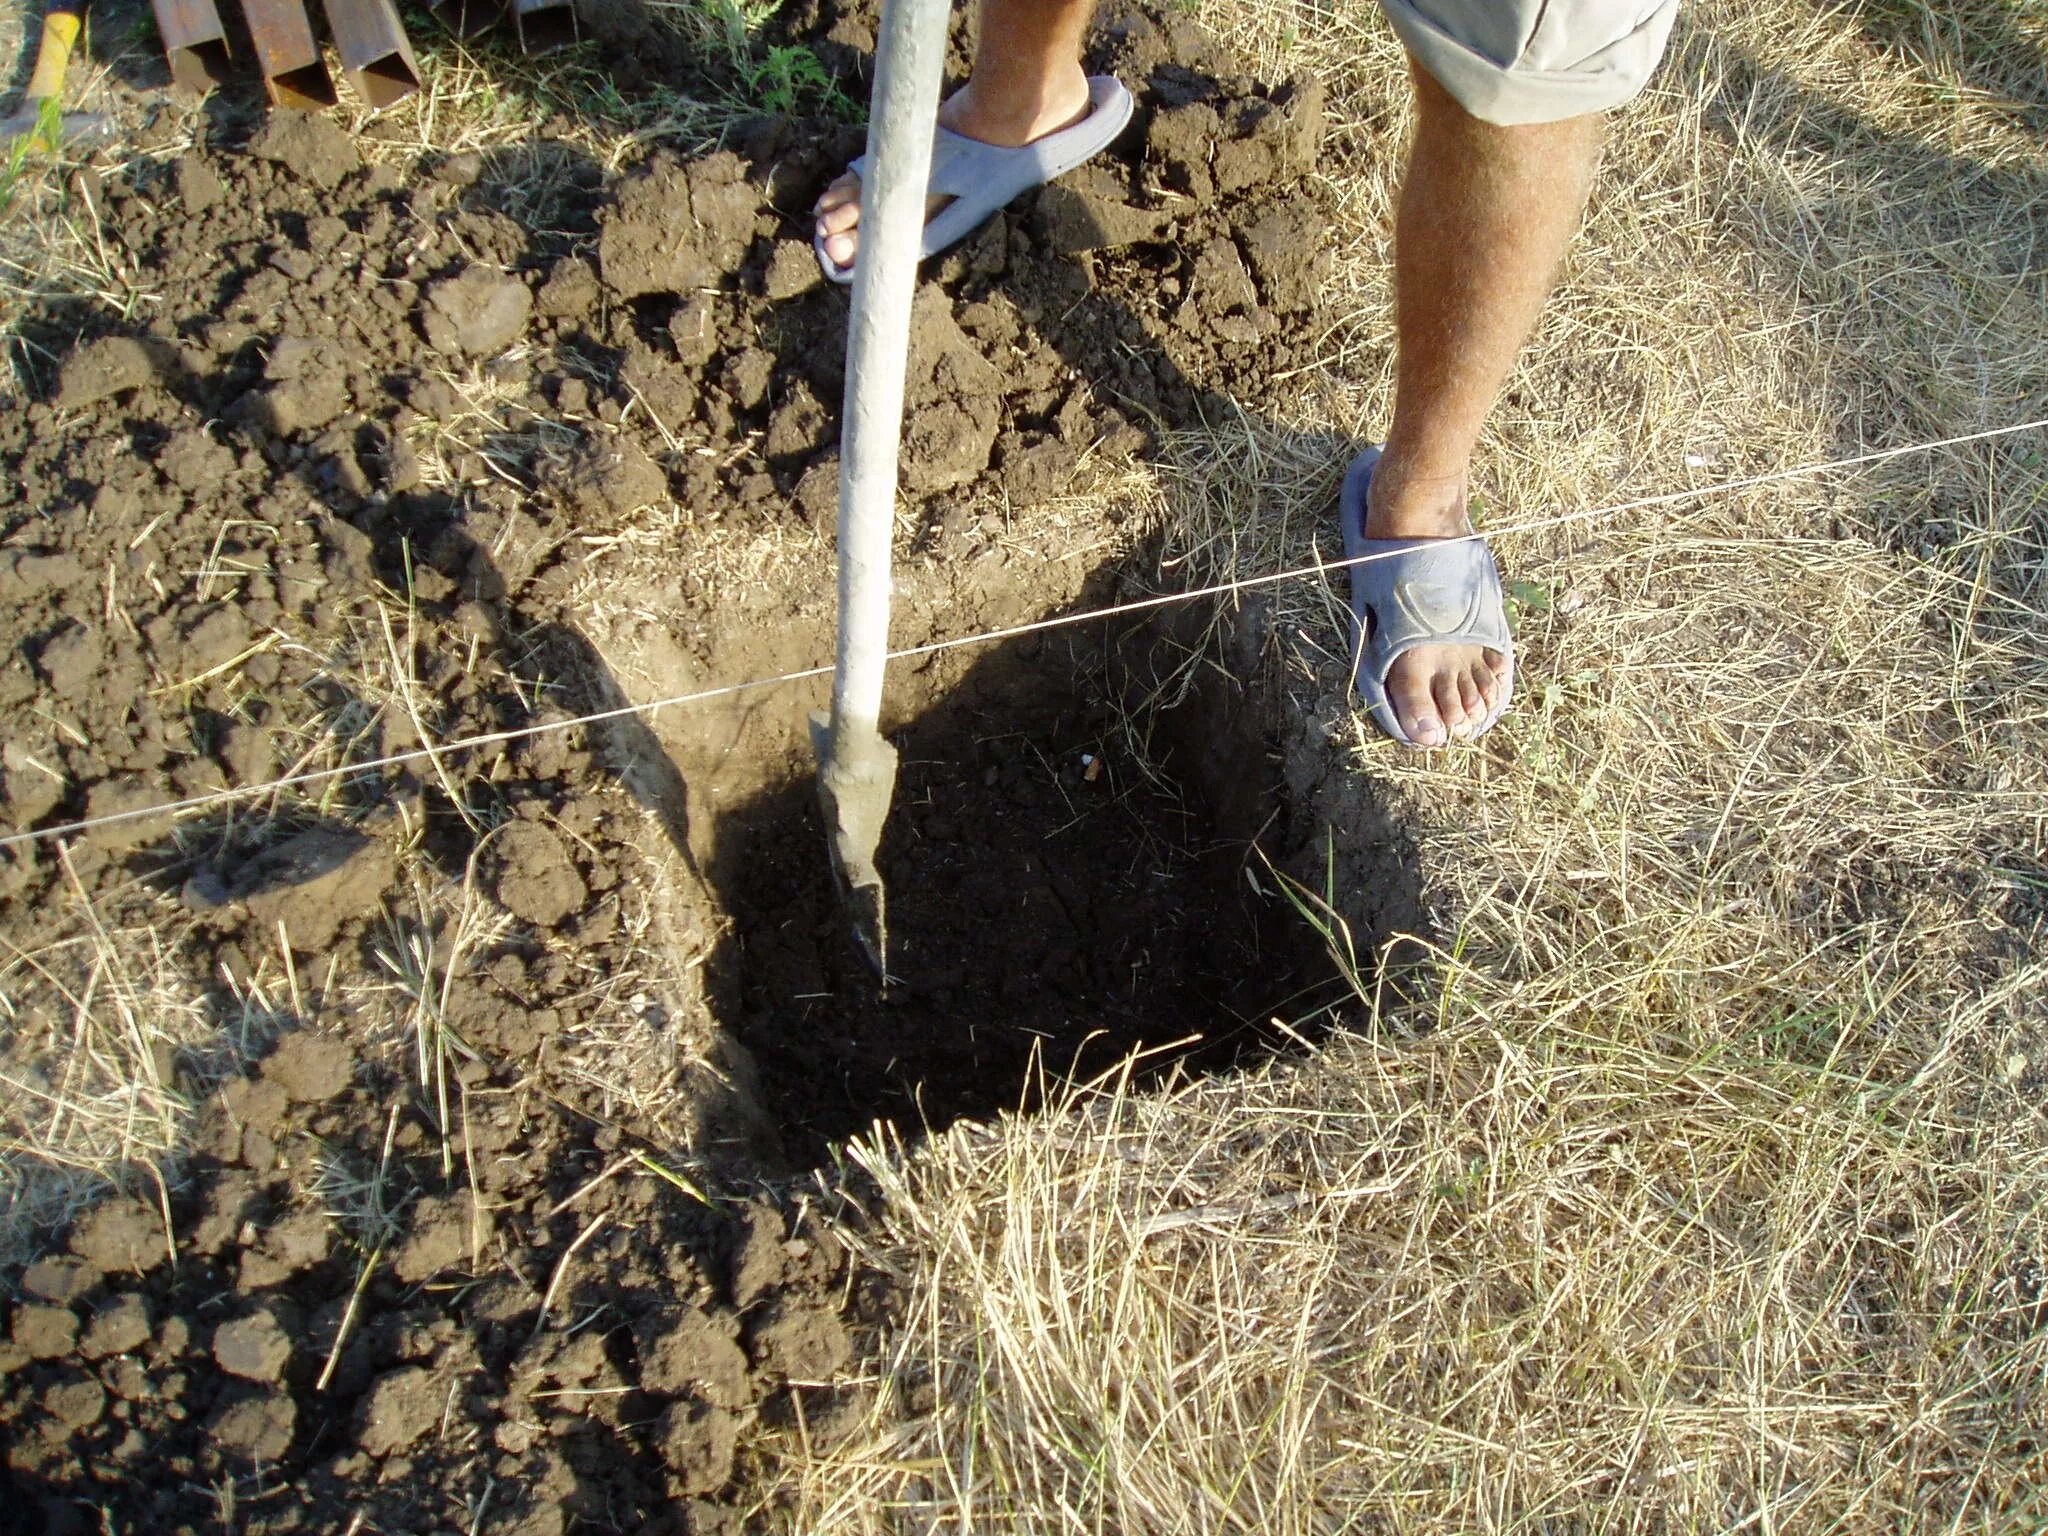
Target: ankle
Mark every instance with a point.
(1011, 107)
(1402, 504)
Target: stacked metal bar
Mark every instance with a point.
(293, 71)
(195, 43)
(544, 24)
(375, 53)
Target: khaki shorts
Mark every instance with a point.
(1535, 61)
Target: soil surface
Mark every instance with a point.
(488, 1219)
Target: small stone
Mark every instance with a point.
(256, 1428)
(116, 1330)
(398, 1409)
(311, 1068)
(45, 1333)
(254, 1347)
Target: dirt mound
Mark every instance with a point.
(317, 493)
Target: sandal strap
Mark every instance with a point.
(1430, 592)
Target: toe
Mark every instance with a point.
(839, 219)
(1472, 695)
(1408, 692)
(844, 191)
(1494, 672)
(1450, 705)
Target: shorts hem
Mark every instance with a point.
(1509, 95)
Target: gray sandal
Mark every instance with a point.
(1417, 592)
(980, 178)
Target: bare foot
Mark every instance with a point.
(1439, 693)
(1008, 124)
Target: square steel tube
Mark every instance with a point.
(286, 53)
(375, 54)
(195, 43)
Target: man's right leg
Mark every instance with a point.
(1510, 99)
(1027, 82)
(1485, 215)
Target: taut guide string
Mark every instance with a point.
(1141, 605)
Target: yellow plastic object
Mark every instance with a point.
(60, 34)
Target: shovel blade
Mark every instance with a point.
(856, 783)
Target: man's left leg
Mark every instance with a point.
(1027, 82)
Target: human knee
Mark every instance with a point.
(1514, 62)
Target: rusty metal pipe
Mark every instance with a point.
(466, 18)
(544, 24)
(292, 68)
(376, 55)
(195, 43)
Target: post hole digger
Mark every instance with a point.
(856, 766)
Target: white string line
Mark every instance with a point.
(1036, 626)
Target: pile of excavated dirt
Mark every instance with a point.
(320, 490)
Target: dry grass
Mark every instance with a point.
(107, 1037)
(1499, 1278)
(1700, 1184)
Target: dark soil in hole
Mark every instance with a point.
(1056, 902)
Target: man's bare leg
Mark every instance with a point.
(1027, 82)
(1486, 213)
